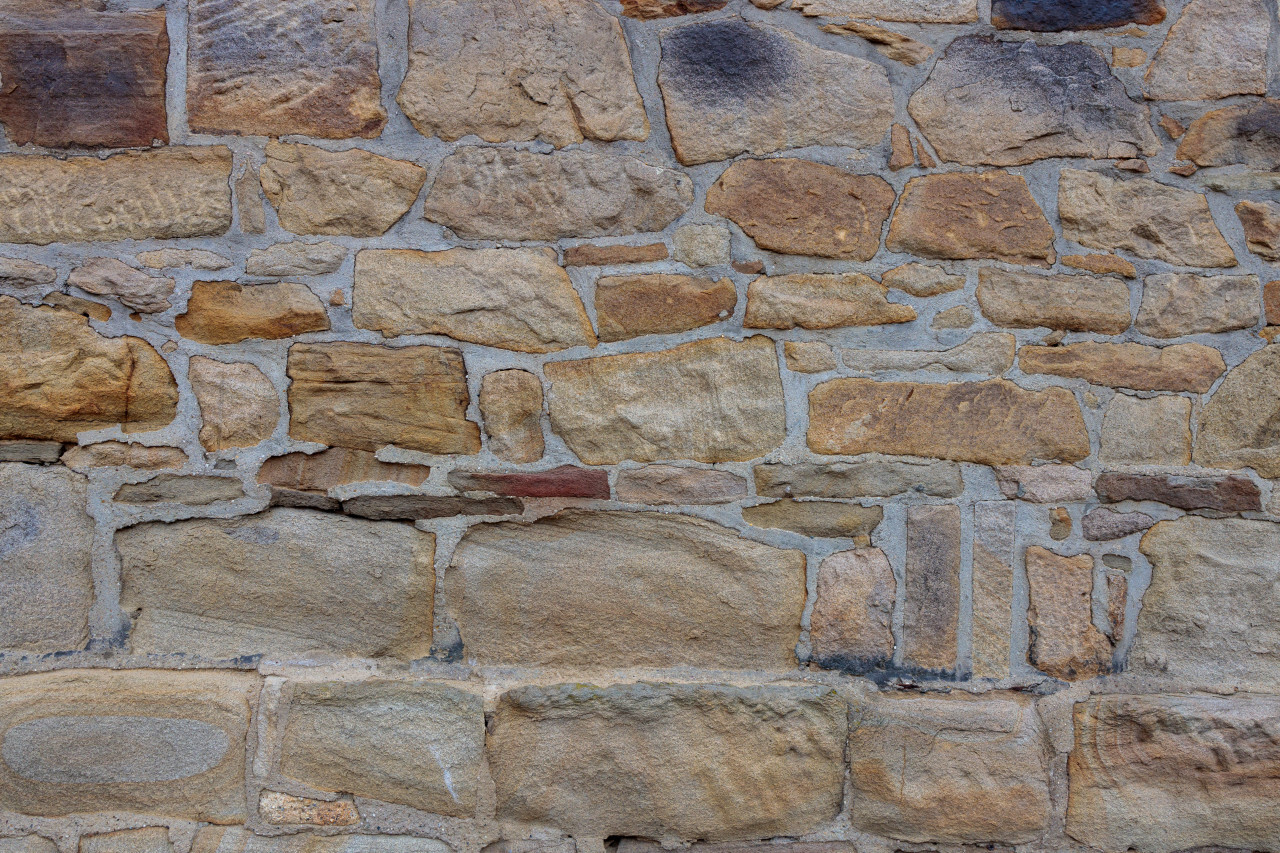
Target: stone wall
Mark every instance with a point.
(816, 426)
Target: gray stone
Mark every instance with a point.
(15, 272)
(148, 839)
(1103, 525)
(864, 478)
(296, 258)
(931, 618)
(989, 353)
(195, 490)
(1152, 431)
(133, 288)
(35, 452)
(994, 531)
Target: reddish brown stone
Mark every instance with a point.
(418, 507)
(660, 304)
(749, 267)
(1225, 494)
(603, 256)
(224, 312)
(567, 481)
(337, 466)
(1271, 301)
(649, 10)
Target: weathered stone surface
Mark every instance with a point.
(420, 507)
(1060, 524)
(1271, 302)
(134, 289)
(702, 245)
(895, 46)
(118, 454)
(1224, 494)
(142, 741)
(851, 624)
(819, 301)
(1140, 216)
(649, 10)
(35, 452)
(1261, 224)
(988, 352)
(27, 844)
(1076, 303)
(1175, 304)
(660, 304)
(994, 531)
(865, 478)
(955, 317)
(148, 839)
(415, 743)
(809, 356)
(816, 518)
(353, 192)
(365, 397)
(730, 87)
(1248, 134)
(672, 591)
(922, 280)
(338, 466)
(1239, 426)
(1181, 367)
(907, 11)
(253, 218)
(176, 488)
(76, 305)
(1064, 641)
(224, 312)
(296, 258)
(931, 617)
(75, 76)
(199, 259)
(1058, 15)
(723, 762)
(237, 839)
(270, 68)
(15, 272)
(668, 484)
(511, 405)
(604, 256)
(1155, 431)
(518, 299)
(285, 809)
(803, 208)
(1161, 773)
(239, 407)
(294, 499)
(1006, 103)
(1044, 483)
(58, 377)
(954, 769)
(496, 194)
(1102, 524)
(164, 193)
(46, 578)
(963, 216)
(991, 423)
(567, 481)
(1216, 48)
(711, 401)
(509, 71)
(1100, 264)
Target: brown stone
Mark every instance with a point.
(224, 312)
(1239, 426)
(895, 46)
(1150, 431)
(1261, 224)
(1064, 641)
(829, 519)
(287, 810)
(15, 272)
(865, 478)
(987, 352)
(421, 507)
(296, 258)
(239, 407)
(1117, 599)
(649, 10)
(901, 155)
(1059, 523)
(1076, 303)
(1216, 48)
(1100, 264)
(802, 208)
(76, 305)
(294, 499)
(605, 256)
(199, 259)
(931, 618)
(1180, 367)
(1172, 126)
(35, 452)
(567, 481)
(511, 405)
(1224, 494)
(749, 267)
(338, 466)
(660, 304)
(134, 289)
(1128, 57)
(194, 490)
(1238, 134)
(148, 839)
(365, 397)
(110, 454)
(818, 301)
(1103, 525)
(1176, 304)
(922, 280)
(667, 484)
(253, 219)
(963, 216)
(851, 624)
(809, 356)
(994, 527)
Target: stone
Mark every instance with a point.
(1064, 641)
(567, 481)
(422, 507)
(134, 289)
(907, 11)
(1176, 304)
(931, 615)
(296, 258)
(988, 352)
(163, 193)
(702, 245)
(1216, 48)
(890, 44)
(149, 839)
(1075, 303)
(353, 192)
(1223, 494)
(110, 454)
(1154, 431)
(59, 377)
(1060, 524)
(27, 844)
(337, 466)
(1172, 126)
(851, 624)
(712, 400)
(1271, 302)
(606, 256)
(994, 537)
(901, 154)
(991, 423)
(497, 194)
(239, 407)
(516, 299)
(1238, 426)
(1261, 224)
(1058, 15)
(365, 397)
(753, 267)
(922, 280)
(1104, 525)
(46, 571)
(963, 216)
(1117, 599)
(955, 317)
(1140, 216)
(415, 743)
(809, 356)
(670, 485)
(15, 272)
(1045, 483)
(723, 762)
(237, 839)
(866, 478)
(253, 219)
(199, 259)
(76, 305)
(730, 87)
(80, 77)
(649, 10)
(954, 768)
(1180, 367)
(1100, 264)
(1140, 779)
(294, 499)
(176, 488)
(511, 406)
(819, 301)
(798, 207)
(224, 312)
(514, 72)
(305, 581)
(1129, 57)
(285, 809)
(35, 452)
(270, 68)
(143, 741)
(1021, 101)
(1205, 616)
(671, 589)
(829, 519)
(1247, 134)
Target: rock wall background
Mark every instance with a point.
(830, 426)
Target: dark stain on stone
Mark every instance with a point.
(854, 665)
(1049, 16)
(726, 60)
(19, 524)
(1261, 125)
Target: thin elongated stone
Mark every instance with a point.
(932, 615)
(1181, 367)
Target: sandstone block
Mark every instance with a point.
(176, 488)
(818, 301)
(851, 624)
(931, 617)
(668, 484)
(994, 531)
(1102, 524)
(338, 466)
(809, 356)
(1224, 494)
(1155, 431)
(148, 839)
(133, 288)
(1181, 367)
(84, 307)
(816, 518)
(1100, 264)
(567, 481)
(199, 259)
(702, 245)
(648, 10)
(35, 452)
(604, 256)
(1064, 641)
(1059, 15)
(27, 844)
(1271, 302)
(15, 272)
(988, 352)
(1175, 304)
(224, 312)
(253, 220)
(279, 808)
(1235, 134)
(1261, 224)
(419, 507)
(511, 405)
(1076, 303)
(922, 280)
(239, 407)
(899, 48)
(1216, 48)
(296, 258)
(109, 454)
(237, 839)
(865, 478)
(660, 304)
(907, 11)
(1238, 426)
(1044, 483)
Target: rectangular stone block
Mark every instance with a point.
(237, 839)
(147, 839)
(993, 557)
(932, 616)
(864, 478)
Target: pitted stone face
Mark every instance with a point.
(1044, 16)
(728, 59)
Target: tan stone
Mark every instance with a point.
(1064, 641)
(702, 245)
(955, 317)
(15, 272)
(237, 839)
(802, 208)
(1239, 426)
(253, 219)
(971, 215)
(668, 484)
(1044, 484)
(338, 466)
(895, 46)
(1180, 367)
(194, 490)
(1128, 57)
(296, 258)
(76, 305)
(163, 193)
(1216, 48)
(931, 617)
(993, 422)
(239, 407)
(1261, 224)
(134, 289)
(1153, 431)
(648, 10)
(285, 582)
(989, 352)
(922, 280)
(1175, 304)
(118, 454)
(1140, 216)
(511, 406)
(660, 304)
(27, 844)
(605, 256)
(142, 741)
(1060, 525)
(148, 839)
(809, 356)
(817, 518)
(1076, 303)
(199, 259)
(224, 312)
(818, 301)
(286, 809)
(673, 591)
(1100, 264)
(1237, 134)
(908, 11)
(851, 624)
(720, 762)
(496, 194)
(866, 478)
(994, 526)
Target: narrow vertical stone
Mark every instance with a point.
(993, 549)
(933, 587)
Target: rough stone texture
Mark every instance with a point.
(605, 256)
(730, 88)
(1237, 134)
(1215, 48)
(1102, 524)
(422, 507)
(511, 405)
(1022, 102)
(989, 352)
(817, 301)
(494, 194)
(648, 10)
(963, 216)
(801, 208)
(76, 305)
(1175, 304)
(809, 356)
(134, 289)
(816, 518)
(994, 534)
(567, 481)
(932, 614)
(1057, 15)
(867, 478)
(922, 280)
(1224, 494)
(199, 259)
(1044, 483)
(660, 304)
(1076, 303)
(224, 312)
(709, 401)
(118, 454)
(702, 245)
(1238, 426)
(1100, 264)
(175, 488)
(253, 219)
(899, 48)
(277, 67)
(15, 272)
(279, 808)
(1180, 367)
(909, 11)
(668, 484)
(286, 581)
(1064, 641)
(150, 839)
(724, 762)
(296, 258)
(1261, 224)
(37, 452)
(27, 844)
(1271, 302)
(237, 839)
(337, 466)
(624, 589)
(1153, 431)
(239, 407)
(850, 627)
(1150, 219)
